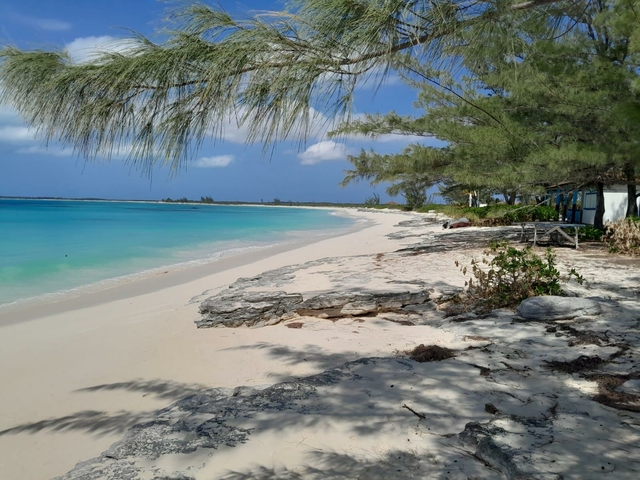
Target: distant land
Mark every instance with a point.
(203, 200)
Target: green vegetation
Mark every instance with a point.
(588, 234)
(372, 200)
(528, 113)
(496, 214)
(524, 95)
(507, 275)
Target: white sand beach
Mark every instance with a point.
(76, 378)
(49, 362)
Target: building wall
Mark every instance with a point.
(615, 204)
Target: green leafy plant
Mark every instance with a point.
(544, 213)
(590, 233)
(507, 275)
(623, 236)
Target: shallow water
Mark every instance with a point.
(49, 246)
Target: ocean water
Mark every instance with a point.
(50, 246)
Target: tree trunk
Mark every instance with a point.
(632, 191)
(632, 200)
(598, 222)
(510, 197)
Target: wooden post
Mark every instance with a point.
(565, 204)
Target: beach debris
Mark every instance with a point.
(431, 353)
(613, 393)
(583, 362)
(419, 415)
(551, 307)
(459, 223)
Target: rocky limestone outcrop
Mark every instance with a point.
(247, 308)
(552, 307)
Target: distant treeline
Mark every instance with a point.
(276, 201)
(210, 200)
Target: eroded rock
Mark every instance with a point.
(551, 308)
(239, 307)
(246, 308)
(344, 304)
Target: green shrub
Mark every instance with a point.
(372, 200)
(497, 214)
(590, 233)
(623, 236)
(507, 275)
(544, 213)
(415, 196)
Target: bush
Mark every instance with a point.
(512, 275)
(623, 236)
(544, 213)
(497, 214)
(590, 233)
(415, 196)
(372, 200)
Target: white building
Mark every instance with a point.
(615, 204)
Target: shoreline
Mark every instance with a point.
(152, 280)
(331, 388)
(146, 334)
(164, 276)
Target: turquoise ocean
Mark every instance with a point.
(56, 246)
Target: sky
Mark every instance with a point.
(227, 170)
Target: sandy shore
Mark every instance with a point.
(334, 395)
(54, 358)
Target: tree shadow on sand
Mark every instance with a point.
(99, 422)
(493, 410)
(162, 389)
(85, 421)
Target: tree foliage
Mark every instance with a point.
(270, 71)
(529, 110)
(525, 94)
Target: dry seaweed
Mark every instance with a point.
(430, 353)
(583, 362)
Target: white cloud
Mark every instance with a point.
(392, 137)
(8, 115)
(15, 134)
(88, 49)
(214, 162)
(52, 151)
(42, 23)
(323, 151)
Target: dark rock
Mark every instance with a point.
(491, 408)
(556, 308)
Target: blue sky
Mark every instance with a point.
(228, 170)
